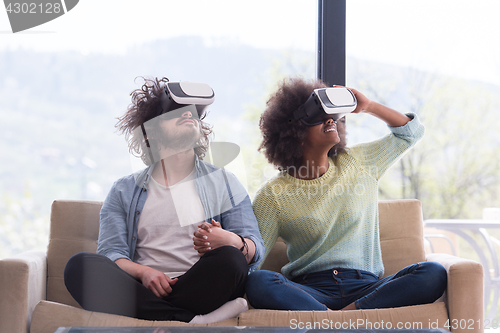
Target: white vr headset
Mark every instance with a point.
(325, 103)
(179, 94)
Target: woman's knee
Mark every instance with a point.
(436, 277)
(259, 278)
(258, 284)
(437, 271)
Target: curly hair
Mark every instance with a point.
(146, 105)
(283, 136)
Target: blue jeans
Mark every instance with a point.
(334, 289)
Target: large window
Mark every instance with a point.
(62, 85)
(439, 60)
(436, 59)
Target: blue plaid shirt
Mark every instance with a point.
(221, 194)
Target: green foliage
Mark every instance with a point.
(454, 170)
(288, 63)
(22, 225)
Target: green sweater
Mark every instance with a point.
(332, 221)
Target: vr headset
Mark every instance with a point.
(325, 103)
(178, 94)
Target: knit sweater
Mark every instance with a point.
(332, 221)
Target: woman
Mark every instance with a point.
(324, 204)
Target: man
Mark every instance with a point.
(177, 239)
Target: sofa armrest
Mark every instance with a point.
(465, 292)
(22, 285)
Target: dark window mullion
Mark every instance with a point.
(331, 41)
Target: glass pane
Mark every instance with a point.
(436, 59)
(63, 83)
(440, 60)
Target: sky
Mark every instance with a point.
(454, 37)
(110, 26)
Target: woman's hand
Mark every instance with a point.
(363, 101)
(211, 236)
(390, 116)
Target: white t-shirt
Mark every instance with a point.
(165, 228)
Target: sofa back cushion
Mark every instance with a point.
(401, 233)
(75, 227)
(401, 237)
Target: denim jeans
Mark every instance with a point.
(336, 288)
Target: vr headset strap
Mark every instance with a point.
(307, 109)
(147, 142)
(166, 100)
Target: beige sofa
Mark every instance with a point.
(33, 296)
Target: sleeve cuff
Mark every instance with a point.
(410, 128)
(115, 256)
(258, 253)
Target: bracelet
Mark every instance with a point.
(244, 247)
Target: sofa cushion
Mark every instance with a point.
(74, 227)
(420, 316)
(401, 234)
(277, 257)
(48, 316)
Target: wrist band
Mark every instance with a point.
(245, 246)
